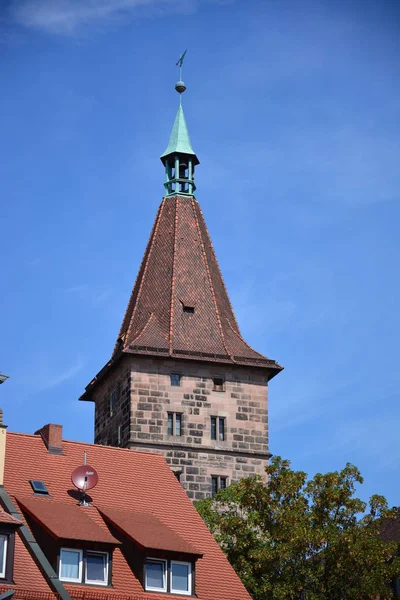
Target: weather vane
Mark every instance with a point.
(180, 86)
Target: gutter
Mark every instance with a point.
(34, 549)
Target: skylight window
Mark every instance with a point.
(39, 487)
(3, 555)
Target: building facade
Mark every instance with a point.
(182, 381)
(116, 537)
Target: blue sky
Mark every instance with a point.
(293, 109)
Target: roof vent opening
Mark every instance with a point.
(39, 487)
(188, 309)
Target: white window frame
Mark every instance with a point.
(91, 582)
(72, 579)
(4, 565)
(149, 587)
(189, 565)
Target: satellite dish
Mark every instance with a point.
(85, 478)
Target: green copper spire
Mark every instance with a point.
(179, 158)
(179, 142)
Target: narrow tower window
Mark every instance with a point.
(213, 428)
(174, 425)
(218, 384)
(170, 423)
(178, 424)
(218, 428)
(221, 429)
(218, 482)
(178, 475)
(175, 379)
(113, 399)
(119, 435)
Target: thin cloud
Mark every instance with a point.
(63, 376)
(88, 294)
(67, 17)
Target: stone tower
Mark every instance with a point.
(181, 380)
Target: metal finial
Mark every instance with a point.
(180, 86)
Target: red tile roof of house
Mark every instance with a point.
(129, 481)
(8, 519)
(148, 531)
(66, 521)
(179, 269)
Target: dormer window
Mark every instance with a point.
(84, 566)
(156, 576)
(71, 565)
(3, 555)
(181, 577)
(171, 576)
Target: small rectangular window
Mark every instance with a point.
(96, 568)
(178, 424)
(170, 423)
(71, 565)
(214, 486)
(221, 428)
(113, 398)
(174, 426)
(155, 578)
(218, 482)
(181, 577)
(218, 425)
(218, 384)
(178, 475)
(3, 555)
(213, 428)
(119, 435)
(175, 379)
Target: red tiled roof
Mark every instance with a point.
(8, 519)
(149, 487)
(66, 521)
(180, 268)
(148, 531)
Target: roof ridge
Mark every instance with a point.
(152, 237)
(172, 302)
(203, 252)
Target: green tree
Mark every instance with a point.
(294, 538)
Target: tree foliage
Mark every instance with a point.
(294, 538)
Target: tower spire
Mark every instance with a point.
(179, 159)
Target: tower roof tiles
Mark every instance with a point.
(179, 305)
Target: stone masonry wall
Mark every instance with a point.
(142, 386)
